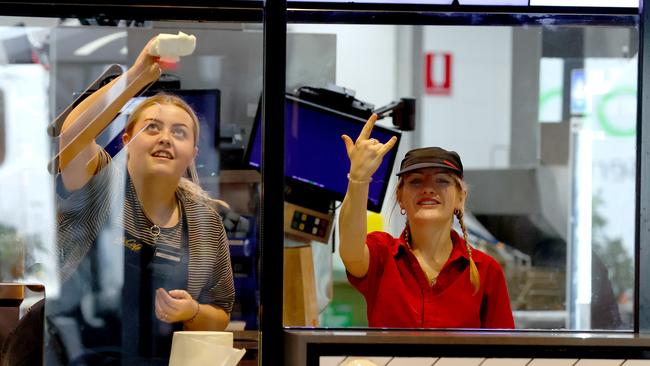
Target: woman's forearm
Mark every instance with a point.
(353, 228)
(209, 317)
(365, 155)
(87, 120)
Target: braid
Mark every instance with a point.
(474, 276)
(407, 234)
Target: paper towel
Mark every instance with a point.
(199, 348)
(170, 46)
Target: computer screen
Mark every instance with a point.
(315, 154)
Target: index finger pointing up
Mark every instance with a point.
(367, 128)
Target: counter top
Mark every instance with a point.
(485, 337)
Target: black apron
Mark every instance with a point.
(145, 339)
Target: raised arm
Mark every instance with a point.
(365, 155)
(78, 152)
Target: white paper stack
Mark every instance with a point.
(204, 348)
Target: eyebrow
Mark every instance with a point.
(159, 121)
(444, 174)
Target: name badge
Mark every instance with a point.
(168, 256)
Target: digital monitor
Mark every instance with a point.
(315, 157)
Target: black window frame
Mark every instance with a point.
(275, 15)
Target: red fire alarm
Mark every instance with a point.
(437, 73)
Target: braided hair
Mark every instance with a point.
(474, 276)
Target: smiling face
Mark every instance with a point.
(161, 141)
(430, 196)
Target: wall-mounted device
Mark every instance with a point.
(306, 223)
(402, 111)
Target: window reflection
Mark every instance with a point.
(50, 66)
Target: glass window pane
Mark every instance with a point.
(146, 222)
(544, 122)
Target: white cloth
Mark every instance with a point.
(204, 348)
(170, 46)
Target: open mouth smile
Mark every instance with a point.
(163, 154)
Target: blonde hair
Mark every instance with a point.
(474, 276)
(164, 99)
(187, 186)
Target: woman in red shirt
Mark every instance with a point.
(429, 277)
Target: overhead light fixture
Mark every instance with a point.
(98, 43)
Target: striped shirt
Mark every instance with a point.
(92, 213)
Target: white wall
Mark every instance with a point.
(475, 119)
(365, 58)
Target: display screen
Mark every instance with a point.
(315, 154)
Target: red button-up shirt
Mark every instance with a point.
(398, 294)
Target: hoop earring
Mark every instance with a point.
(456, 212)
(402, 211)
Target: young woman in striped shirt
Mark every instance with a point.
(177, 270)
